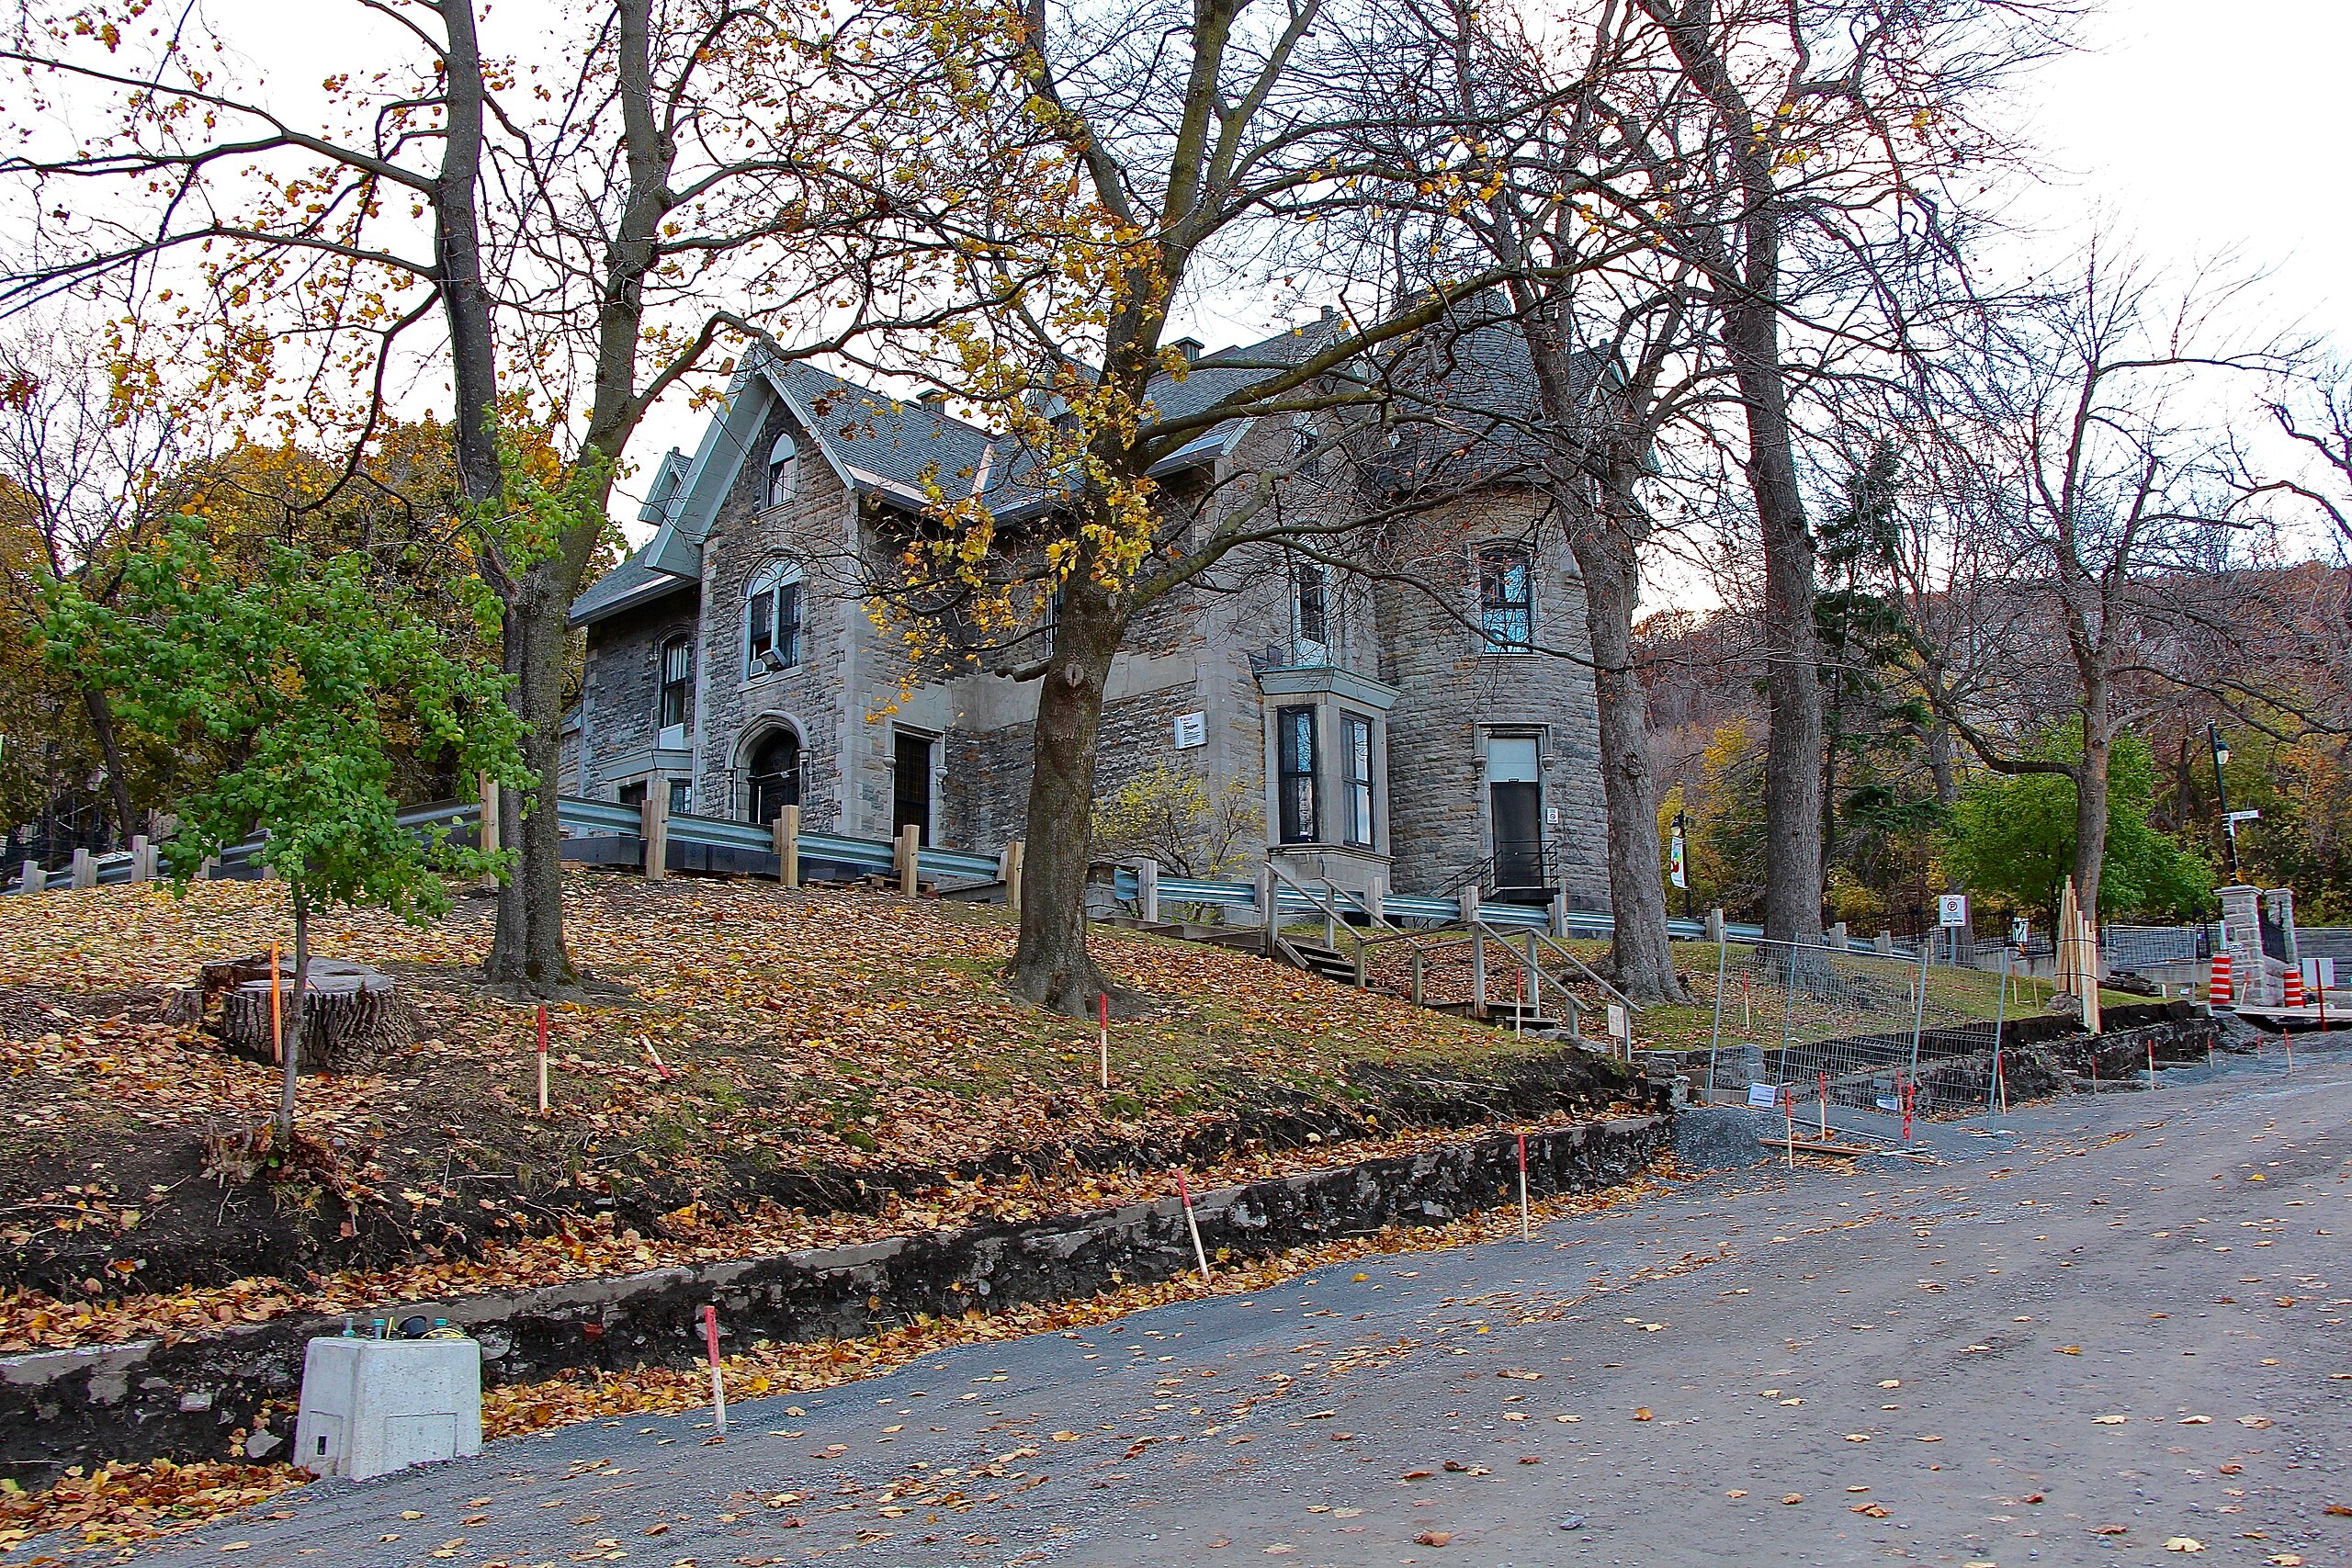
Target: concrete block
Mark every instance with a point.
(369, 1406)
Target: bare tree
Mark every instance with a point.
(2115, 504)
(89, 466)
(1820, 141)
(1206, 139)
(671, 178)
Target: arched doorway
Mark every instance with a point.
(775, 772)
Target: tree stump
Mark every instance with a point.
(352, 1016)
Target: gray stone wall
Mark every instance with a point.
(812, 698)
(620, 688)
(1454, 689)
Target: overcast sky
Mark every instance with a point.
(2186, 128)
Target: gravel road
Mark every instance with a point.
(2103, 1328)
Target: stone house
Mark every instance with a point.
(1398, 726)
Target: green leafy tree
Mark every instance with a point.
(2013, 837)
(310, 677)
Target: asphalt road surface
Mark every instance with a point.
(2107, 1326)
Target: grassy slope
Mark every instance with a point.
(845, 1065)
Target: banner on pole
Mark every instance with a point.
(1675, 873)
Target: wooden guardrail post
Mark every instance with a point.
(143, 859)
(1417, 976)
(1715, 924)
(30, 878)
(1558, 913)
(654, 827)
(1271, 922)
(909, 849)
(1478, 971)
(85, 869)
(1148, 891)
(1534, 979)
(787, 846)
(1007, 871)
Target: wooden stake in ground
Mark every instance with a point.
(1789, 1121)
(1200, 1254)
(277, 1014)
(1526, 1227)
(1824, 1107)
(542, 1054)
(1103, 1039)
(718, 1382)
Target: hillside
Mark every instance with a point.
(763, 1071)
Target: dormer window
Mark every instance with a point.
(772, 620)
(1305, 460)
(784, 470)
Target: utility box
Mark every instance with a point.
(370, 1406)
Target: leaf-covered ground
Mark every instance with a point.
(122, 1504)
(763, 1071)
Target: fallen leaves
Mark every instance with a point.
(1433, 1537)
(2183, 1544)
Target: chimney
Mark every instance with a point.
(1189, 347)
(931, 396)
(1330, 313)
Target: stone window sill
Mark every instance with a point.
(768, 677)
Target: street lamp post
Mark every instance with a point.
(2222, 797)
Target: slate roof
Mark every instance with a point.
(883, 444)
(633, 581)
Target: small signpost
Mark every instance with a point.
(718, 1384)
(1103, 1040)
(1526, 1228)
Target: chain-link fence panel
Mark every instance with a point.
(1799, 1025)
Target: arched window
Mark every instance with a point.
(774, 770)
(784, 470)
(677, 679)
(772, 619)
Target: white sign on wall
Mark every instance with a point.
(1190, 729)
(1952, 909)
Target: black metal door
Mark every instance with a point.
(1518, 834)
(910, 791)
(775, 776)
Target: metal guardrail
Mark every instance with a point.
(1398, 908)
(593, 818)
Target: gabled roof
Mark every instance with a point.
(883, 446)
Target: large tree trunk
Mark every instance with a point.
(528, 950)
(1793, 760)
(101, 712)
(1607, 559)
(1051, 964)
(1748, 288)
(2090, 798)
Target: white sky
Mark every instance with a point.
(2188, 128)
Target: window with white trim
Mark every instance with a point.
(677, 679)
(1294, 743)
(1355, 757)
(772, 619)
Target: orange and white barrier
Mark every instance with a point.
(2217, 991)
